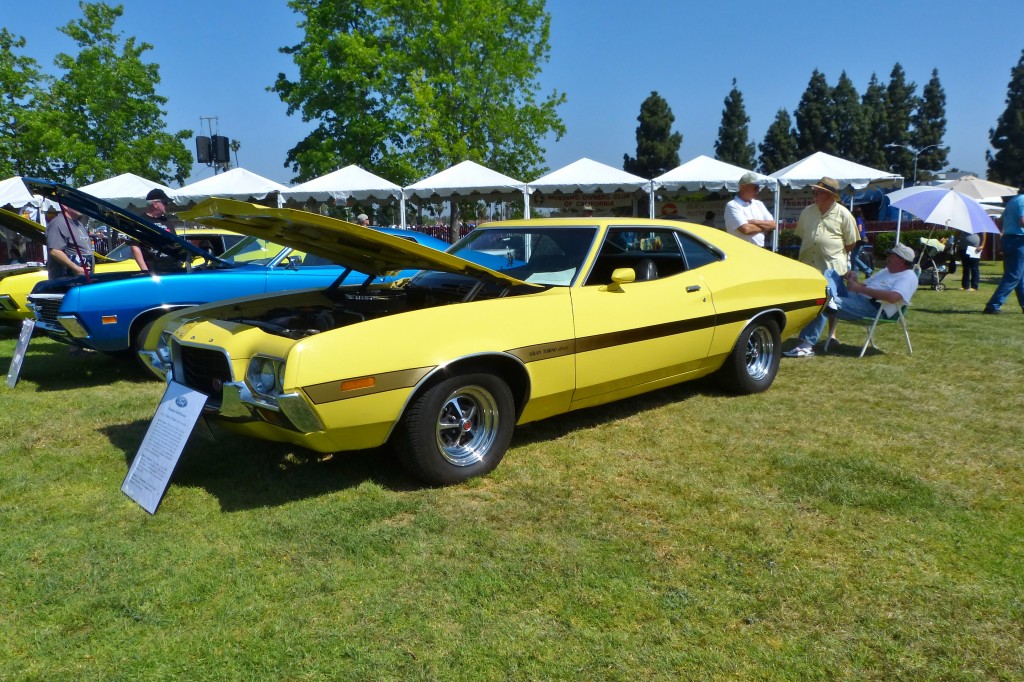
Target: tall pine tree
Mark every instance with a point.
(900, 103)
(872, 106)
(815, 127)
(929, 121)
(848, 120)
(657, 147)
(1007, 138)
(732, 145)
(779, 147)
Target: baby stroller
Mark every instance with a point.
(931, 265)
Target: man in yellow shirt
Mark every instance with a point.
(827, 230)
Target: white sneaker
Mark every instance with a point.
(800, 352)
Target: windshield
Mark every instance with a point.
(551, 256)
(253, 251)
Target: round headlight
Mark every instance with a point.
(266, 374)
(280, 377)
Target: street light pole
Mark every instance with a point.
(916, 152)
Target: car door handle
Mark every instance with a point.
(692, 288)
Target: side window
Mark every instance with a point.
(696, 252)
(651, 253)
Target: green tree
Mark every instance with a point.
(900, 103)
(929, 127)
(657, 147)
(732, 145)
(102, 116)
(1007, 138)
(406, 88)
(21, 84)
(876, 132)
(815, 126)
(848, 120)
(779, 147)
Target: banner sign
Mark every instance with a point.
(150, 472)
(602, 203)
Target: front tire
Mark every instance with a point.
(754, 360)
(457, 429)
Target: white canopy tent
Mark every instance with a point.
(587, 175)
(350, 182)
(820, 165)
(14, 193)
(466, 179)
(124, 190)
(705, 173)
(708, 174)
(237, 183)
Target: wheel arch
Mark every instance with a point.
(146, 316)
(508, 367)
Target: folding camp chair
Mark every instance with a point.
(887, 312)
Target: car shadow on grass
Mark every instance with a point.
(54, 368)
(247, 473)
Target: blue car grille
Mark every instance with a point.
(205, 370)
(47, 308)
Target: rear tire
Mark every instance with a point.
(457, 429)
(754, 360)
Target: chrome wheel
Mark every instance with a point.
(760, 353)
(467, 425)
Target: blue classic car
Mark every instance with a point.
(113, 315)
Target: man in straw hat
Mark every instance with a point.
(745, 216)
(827, 230)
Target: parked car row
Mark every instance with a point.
(334, 337)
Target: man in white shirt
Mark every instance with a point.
(745, 216)
(893, 285)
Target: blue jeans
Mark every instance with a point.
(972, 272)
(849, 307)
(856, 262)
(1013, 272)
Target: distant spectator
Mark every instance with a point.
(1013, 256)
(588, 210)
(363, 219)
(709, 219)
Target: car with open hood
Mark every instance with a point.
(112, 314)
(518, 321)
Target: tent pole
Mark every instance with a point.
(650, 201)
(899, 217)
(526, 203)
(401, 209)
(778, 219)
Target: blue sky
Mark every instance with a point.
(217, 58)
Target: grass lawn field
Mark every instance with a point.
(862, 519)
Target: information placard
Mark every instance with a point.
(19, 352)
(150, 472)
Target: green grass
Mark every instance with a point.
(860, 520)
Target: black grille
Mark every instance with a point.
(47, 308)
(205, 370)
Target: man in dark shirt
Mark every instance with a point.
(148, 258)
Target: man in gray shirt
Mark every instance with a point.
(69, 245)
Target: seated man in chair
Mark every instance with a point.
(853, 300)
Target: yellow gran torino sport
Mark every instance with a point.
(518, 321)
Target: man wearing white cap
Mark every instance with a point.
(745, 216)
(853, 300)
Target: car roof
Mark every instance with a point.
(364, 249)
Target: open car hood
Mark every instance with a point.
(360, 248)
(135, 226)
(23, 226)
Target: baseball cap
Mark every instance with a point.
(903, 251)
(158, 194)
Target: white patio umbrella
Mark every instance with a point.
(979, 189)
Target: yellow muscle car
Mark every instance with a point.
(519, 321)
